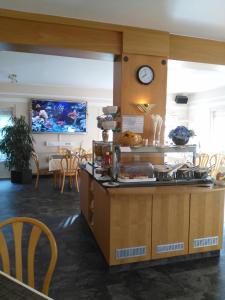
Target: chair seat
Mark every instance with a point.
(70, 173)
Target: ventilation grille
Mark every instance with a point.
(170, 247)
(206, 242)
(131, 252)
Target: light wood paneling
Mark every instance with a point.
(132, 92)
(197, 50)
(59, 35)
(148, 42)
(44, 18)
(170, 220)
(167, 190)
(101, 218)
(130, 225)
(206, 219)
(135, 40)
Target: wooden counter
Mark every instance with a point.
(143, 223)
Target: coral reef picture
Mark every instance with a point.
(58, 116)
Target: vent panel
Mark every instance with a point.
(206, 242)
(170, 247)
(131, 252)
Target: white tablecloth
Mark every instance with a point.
(55, 162)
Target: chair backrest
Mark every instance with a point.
(69, 163)
(37, 228)
(80, 152)
(64, 151)
(215, 163)
(36, 161)
(202, 160)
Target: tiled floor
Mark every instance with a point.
(81, 272)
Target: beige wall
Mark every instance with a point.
(20, 105)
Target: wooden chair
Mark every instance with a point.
(215, 163)
(37, 229)
(79, 152)
(39, 171)
(70, 169)
(65, 151)
(202, 160)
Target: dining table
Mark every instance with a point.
(13, 289)
(55, 161)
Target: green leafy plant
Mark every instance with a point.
(17, 144)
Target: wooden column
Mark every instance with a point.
(128, 91)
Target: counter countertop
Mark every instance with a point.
(162, 187)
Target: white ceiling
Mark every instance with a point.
(199, 18)
(39, 69)
(188, 77)
(47, 70)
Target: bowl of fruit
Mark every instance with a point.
(220, 178)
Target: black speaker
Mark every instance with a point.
(181, 99)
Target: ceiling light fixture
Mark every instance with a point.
(13, 78)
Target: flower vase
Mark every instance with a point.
(179, 141)
(105, 136)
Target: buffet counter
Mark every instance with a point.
(133, 224)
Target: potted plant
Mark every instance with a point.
(17, 145)
(180, 135)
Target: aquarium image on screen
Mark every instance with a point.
(58, 116)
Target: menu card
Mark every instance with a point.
(133, 123)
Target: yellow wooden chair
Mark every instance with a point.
(70, 168)
(202, 160)
(39, 171)
(65, 151)
(215, 163)
(38, 228)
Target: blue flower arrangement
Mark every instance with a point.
(180, 135)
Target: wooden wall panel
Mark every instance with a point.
(58, 35)
(101, 218)
(130, 225)
(197, 50)
(148, 42)
(170, 222)
(132, 92)
(206, 219)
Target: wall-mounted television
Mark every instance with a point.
(51, 116)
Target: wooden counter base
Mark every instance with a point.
(148, 223)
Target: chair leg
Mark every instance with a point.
(76, 181)
(59, 176)
(55, 179)
(37, 181)
(63, 183)
(70, 182)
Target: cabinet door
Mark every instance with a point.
(130, 227)
(206, 221)
(170, 225)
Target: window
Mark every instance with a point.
(5, 116)
(217, 131)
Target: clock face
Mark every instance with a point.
(145, 74)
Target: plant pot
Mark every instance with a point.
(180, 142)
(23, 177)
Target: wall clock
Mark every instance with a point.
(145, 74)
